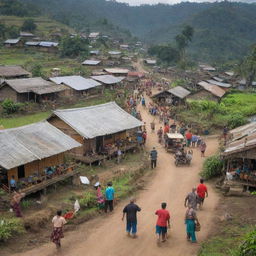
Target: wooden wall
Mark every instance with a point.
(203, 95)
(6, 92)
(38, 166)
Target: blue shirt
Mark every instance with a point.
(13, 183)
(110, 193)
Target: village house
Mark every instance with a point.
(78, 85)
(95, 52)
(150, 62)
(117, 71)
(134, 76)
(207, 92)
(9, 43)
(240, 157)
(26, 35)
(10, 72)
(174, 96)
(114, 54)
(224, 86)
(50, 47)
(91, 62)
(207, 68)
(94, 35)
(30, 89)
(101, 129)
(27, 152)
(108, 80)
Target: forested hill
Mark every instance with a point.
(222, 30)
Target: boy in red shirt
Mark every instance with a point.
(163, 222)
(201, 192)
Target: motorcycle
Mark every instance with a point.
(183, 159)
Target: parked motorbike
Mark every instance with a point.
(183, 158)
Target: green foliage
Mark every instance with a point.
(26, 203)
(247, 68)
(10, 107)
(248, 247)
(212, 167)
(37, 70)
(28, 25)
(74, 47)
(10, 228)
(88, 200)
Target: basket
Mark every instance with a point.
(197, 227)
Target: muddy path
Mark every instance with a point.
(106, 236)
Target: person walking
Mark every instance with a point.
(192, 199)
(203, 148)
(202, 192)
(188, 138)
(57, 234)
(153, 157)
(152, 125)
(109, 195)
(13, 184)
(15, 203)
(191, 220)
(163, 221)
(130, 210)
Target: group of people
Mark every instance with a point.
(194, 201)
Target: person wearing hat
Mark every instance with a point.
(109, 195)
(153, 157)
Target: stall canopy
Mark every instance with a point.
(37, 141)
(99, 120)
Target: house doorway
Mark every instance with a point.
(99, 144)
(21, 171)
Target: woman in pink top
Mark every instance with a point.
(57, 233)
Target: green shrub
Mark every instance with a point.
(88, 200)
(10, 227)
(248, 247)
(10, 107)
(212, 167)
(235, 120)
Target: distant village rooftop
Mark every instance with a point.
(108, 79)
(13, 71)
(78, 83)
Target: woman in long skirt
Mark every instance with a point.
(57, 233)
(191, 221)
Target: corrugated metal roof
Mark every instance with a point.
(108, 79)
(96, 52)
(94, 34)
(179, 92)
(12, 71)
(91, 62)
(225, 85)
(12, 41)
(48, 44)
(34, 84)
(32, 43)
(32, 142)
(214, 89)
(99, 120)
(207, 67)
(230, 73)
(26, 34)
(151, 62)
(78, 83)
(114, 52)
(243, 131)
(218, 79)
(241, 145)
(243, 82)
(117, 70)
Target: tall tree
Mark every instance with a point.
(247, 69)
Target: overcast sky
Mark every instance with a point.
(138, 2)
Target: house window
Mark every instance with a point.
(21, 172)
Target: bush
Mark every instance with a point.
(29, 25)
(212, 167)
(36, 70)
(10, 227)
(10, 107)
(248, 247)
(88, 200)
(235, 120)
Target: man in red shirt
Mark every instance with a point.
(163, 222)
(201, 192)
(188, 138)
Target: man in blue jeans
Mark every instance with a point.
(109, 194)
(131, 210)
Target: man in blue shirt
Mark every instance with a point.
(153, 157)
(109, 194)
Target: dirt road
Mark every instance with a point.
(105, 236)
